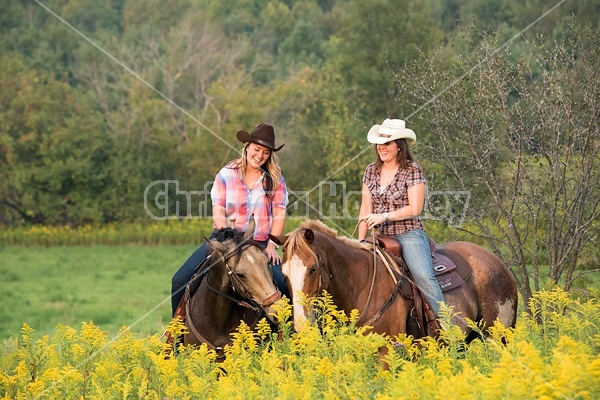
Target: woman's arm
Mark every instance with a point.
(218, 198)
(276, 229)
(219, 218)
(366, 207)
(278, 221)
(416, 202)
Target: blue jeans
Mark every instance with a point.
(415, 250)
(186, 271)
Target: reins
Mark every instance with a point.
(320, 265)
(374, 274)
(378, 254)
(241, 288)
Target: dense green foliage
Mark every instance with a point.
(132, 92)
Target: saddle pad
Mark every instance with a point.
(444, 271)
(449, 280)
(448, 274)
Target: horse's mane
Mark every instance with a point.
(296, 243)
(225, 234)
(228, 233)
(317, 225)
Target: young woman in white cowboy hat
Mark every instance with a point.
(393, 197)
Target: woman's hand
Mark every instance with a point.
(272, 254)
(372, 220)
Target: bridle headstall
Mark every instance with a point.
(235, 281)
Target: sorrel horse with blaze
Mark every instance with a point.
(316, 259)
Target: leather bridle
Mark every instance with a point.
(320, 268)
(238, 286)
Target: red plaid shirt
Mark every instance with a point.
(394, 196)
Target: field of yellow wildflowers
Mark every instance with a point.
(153, 233)
(553, 353)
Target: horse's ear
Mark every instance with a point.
(216, 245)
(309, 235)
(250, 229)
(278, 239)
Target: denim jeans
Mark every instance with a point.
(186, 271)
(415, 250)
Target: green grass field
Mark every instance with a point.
(113, 286)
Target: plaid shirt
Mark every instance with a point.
(394, 196)
(230, 192)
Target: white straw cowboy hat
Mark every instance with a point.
(391, 129)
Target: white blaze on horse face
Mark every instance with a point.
(251, 259)
(295, 270)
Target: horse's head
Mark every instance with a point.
(247, 267)
(303, 265)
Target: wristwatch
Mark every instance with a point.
(386, 216)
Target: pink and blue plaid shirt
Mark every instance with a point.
(240, 202)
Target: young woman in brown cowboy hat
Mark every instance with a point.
(252, 185)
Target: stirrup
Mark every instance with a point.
(433, 324)
(434, 328)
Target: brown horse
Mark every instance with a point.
(316, 259)
(234, 284)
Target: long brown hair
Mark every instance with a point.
(270, 169)
(404, 157)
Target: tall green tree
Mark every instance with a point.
(526, 146)
(54, 150)
(373, 38)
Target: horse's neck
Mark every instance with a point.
(219, 279)
(352, 270)
(346, 263)
(347, 251)
(214, 308)
(360, 280)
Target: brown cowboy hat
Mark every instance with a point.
(263, 134)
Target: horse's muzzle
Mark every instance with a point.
(271, 299)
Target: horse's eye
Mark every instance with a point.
(240, 275)
(312, 270)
